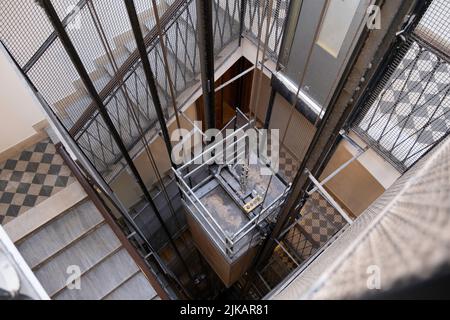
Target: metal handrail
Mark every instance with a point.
(236, 241)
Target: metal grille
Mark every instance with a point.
(19, 20)
(254, 23)
(408, 111)
(318, 223)
(405, 233)
(102, 37)
(434, 27)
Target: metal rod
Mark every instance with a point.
(206, 50)
(329, 198)
(196, 207)
(91, 171)
(337, 171)
(212, 148)
(214, 158)
(287, 252)
(202, 206)
(242, 20)
(101, 206)
(221, 248)
(166, 62)
(76, 60)
(193, 124)
(256, 217)
(134, 20)
(240, 75)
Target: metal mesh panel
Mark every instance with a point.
(102, 36)
(408, 112)
(405, 234)
(56, 84)
(225, 23)
(434, 27)
(89, 47)
(318, 223)
(255, 16)
(144, 9)
(23, 28)
(65, 7)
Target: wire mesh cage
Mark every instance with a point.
(407, 113)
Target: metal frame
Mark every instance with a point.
(389, 145)
(134, 20)
(327, 135)
(76, 60)
(206, 50)
(229, 245)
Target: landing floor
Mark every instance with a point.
(31, 177)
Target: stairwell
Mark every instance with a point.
(79, 239)
(184, 69)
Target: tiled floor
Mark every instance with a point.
(319, 223)
(34, 175)
(319, 219)
(288, 165)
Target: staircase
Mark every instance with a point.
(184, 69)
(81, 237)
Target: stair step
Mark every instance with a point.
(77, 107)
(135, 288)
(130, 45)
(181, 76)
(120, 56)
(85, 254)
(140, 94)
(58, 234)
(186, 47)
(162, 6)
(103, 278)
(99, 78)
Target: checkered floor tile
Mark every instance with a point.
(29, 178)
(319, 219)
(288, 165)
(301, 243)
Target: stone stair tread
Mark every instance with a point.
(85, 254)
(103, 278)
(58, 234)
(140, 94)
(75, 107)
(130, 45)
(136, 288)
(183, 72)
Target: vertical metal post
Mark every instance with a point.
(76, 60)
(289, 29)
(269, 109)
(242, 20)
(334, 118)
(134, 20)
(206, 50)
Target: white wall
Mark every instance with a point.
(19, 110)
